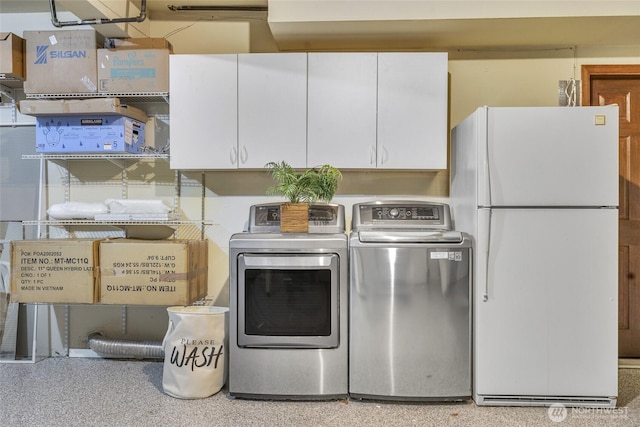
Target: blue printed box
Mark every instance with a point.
(133, 70)
(89, 134)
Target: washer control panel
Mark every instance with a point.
(401, 214)
(407, 213)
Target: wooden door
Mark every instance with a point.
(620, 84)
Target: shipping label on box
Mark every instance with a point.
(133, 70)
(54, 271)
(61, 62)
(89, 134)
(149, 272)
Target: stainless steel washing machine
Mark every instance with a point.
(410, 311)
(289, 307)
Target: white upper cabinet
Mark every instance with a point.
(342, 110)
(412, 110)
(272, 109)
(384, 110)
(204, 111)
(350, 110)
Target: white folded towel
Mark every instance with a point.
(76, 210)
(136, 206)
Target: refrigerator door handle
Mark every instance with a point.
(486, 164)
(483, 276)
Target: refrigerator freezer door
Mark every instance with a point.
(548, 156)
(548, 326)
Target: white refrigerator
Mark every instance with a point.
(537, 189)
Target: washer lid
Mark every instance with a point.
(410, 236)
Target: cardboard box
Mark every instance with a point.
(150, 272)
(57, 271)
(61, 62)
(156, 134)
(59, 107)
(133, 70)
(11, 60)
(89, 134)
(138, 43)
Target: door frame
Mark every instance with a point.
(589, 71)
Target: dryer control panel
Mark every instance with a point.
(323, 218)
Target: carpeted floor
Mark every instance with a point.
(102, 392)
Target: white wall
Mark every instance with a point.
(204, 36)
(498, 78)
(524, 77)
(19, 22)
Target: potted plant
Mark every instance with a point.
(301, 188)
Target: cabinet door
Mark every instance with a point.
(204, 114)
(342, 110)
(272, 109)
(412, 110)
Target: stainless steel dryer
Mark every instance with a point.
(288, 307)
(410, 312)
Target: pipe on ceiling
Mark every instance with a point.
(97, 21)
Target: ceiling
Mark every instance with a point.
(460, 34)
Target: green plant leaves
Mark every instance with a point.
(311, 185)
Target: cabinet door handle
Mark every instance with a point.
(244, 155)
(233, 155)
(372, 155)
(384, 156)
